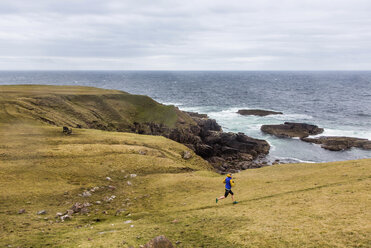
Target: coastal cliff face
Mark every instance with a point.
(85, 107)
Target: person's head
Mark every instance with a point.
(229, 175)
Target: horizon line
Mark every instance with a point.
(143, 70)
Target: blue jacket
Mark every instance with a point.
(228, 183)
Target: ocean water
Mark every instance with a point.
(340, 102)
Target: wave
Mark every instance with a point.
(292, 117)
(176, 104)
(293, 160)
(363, 134)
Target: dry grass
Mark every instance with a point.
(296, 205)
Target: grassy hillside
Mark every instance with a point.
(85, 107)
(296, 205)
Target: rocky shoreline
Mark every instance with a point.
(227, 152)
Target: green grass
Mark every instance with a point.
(86, 107)
(294, 205)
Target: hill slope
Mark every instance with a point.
(112, 110)
(296, 205)
(85, 107)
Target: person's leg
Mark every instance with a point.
(223, 197)
(232, 195)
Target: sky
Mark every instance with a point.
(185, 35)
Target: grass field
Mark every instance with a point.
(86, 107)
(294, 205)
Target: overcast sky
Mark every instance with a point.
(185, 35)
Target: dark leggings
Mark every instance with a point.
(227, 192)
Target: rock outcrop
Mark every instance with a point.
(225, 151)
(258, 112)
(339, 143)
(292, 129)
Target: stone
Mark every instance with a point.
(128, 222)
(129, 183)
(94, 189)
(292, 129)
(67, 130)
(159, 242)
(66, 217)
(86, 194)
(41, 212)
(58, 215)
(258, 112)
(108, 179)
(133, 175)
(69, 212)
(111, 187)
(142, 152)
(109, 199)
(84, 210)
(187, 155)
(22, 211)
(76, 208)
(338, 143)
(86, 204)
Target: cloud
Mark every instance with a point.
(185, 35)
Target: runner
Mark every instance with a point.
(229, 183)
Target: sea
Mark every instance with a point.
(338, 101)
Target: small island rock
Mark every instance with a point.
(292, 129)
(258, 112)
(337, 143)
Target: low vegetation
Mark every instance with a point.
(296, 205)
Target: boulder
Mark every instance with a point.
(187, 155)
(337, 143)
(67, 130)
(292, 129)
(159, 242)
(258, 112)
